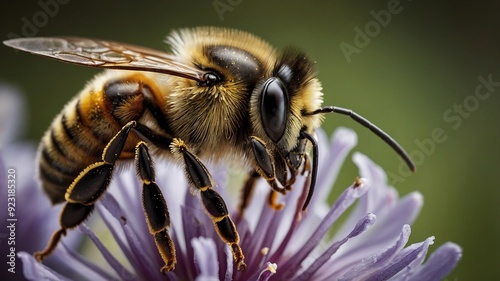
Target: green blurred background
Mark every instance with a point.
(414, 70)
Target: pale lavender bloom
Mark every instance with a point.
(278, 245)
(33, 219)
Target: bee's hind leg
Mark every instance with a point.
(86, 189)
(72, 215)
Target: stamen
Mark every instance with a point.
(264, 251)
(272, 267)
(358, 182)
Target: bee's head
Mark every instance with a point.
(279, 101)
(251, 81)
(242, 67)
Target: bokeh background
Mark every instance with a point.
(411, 77)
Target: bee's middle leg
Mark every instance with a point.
(214, 205)
(155, 207)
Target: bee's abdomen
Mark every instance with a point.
(80, 133)
(76, 139)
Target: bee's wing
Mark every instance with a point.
(105, 54)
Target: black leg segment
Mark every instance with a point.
(86, 189)
(265, 164)
(247, 192)
(155, 207)
(214, 205)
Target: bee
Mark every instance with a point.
(221, 94)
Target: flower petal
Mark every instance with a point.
(382, 234)
(112, 261)
(131, 245)
(229, 261)
(439, 264)
(205, 258)
(362, 225)
(109, 210)
(126, 191)
(33, 270)
(263, 230)
(403, 212)
(195, 224)
(381, 196)
(392, 213)
(371, 264)
(403, 260)
(343, 202)
(416, 262)
(76, 266)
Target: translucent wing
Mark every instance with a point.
(105, 54)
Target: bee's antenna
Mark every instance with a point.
(363, 121)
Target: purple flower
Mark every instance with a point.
(31, 219)
(278, 245)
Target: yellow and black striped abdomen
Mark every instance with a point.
(79, 134)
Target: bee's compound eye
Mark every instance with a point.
(274, 108)
(210, 78)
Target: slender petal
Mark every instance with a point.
(401, 261)
(80, 266)
(439, 264)
(229, 261)
(133, 246)
(343, 202)
(362, 225)
(391, 215)
(205, 259)
(33, 270)
(112, 261)
(371, 264)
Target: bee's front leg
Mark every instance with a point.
(214, 205)
(266, 169)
